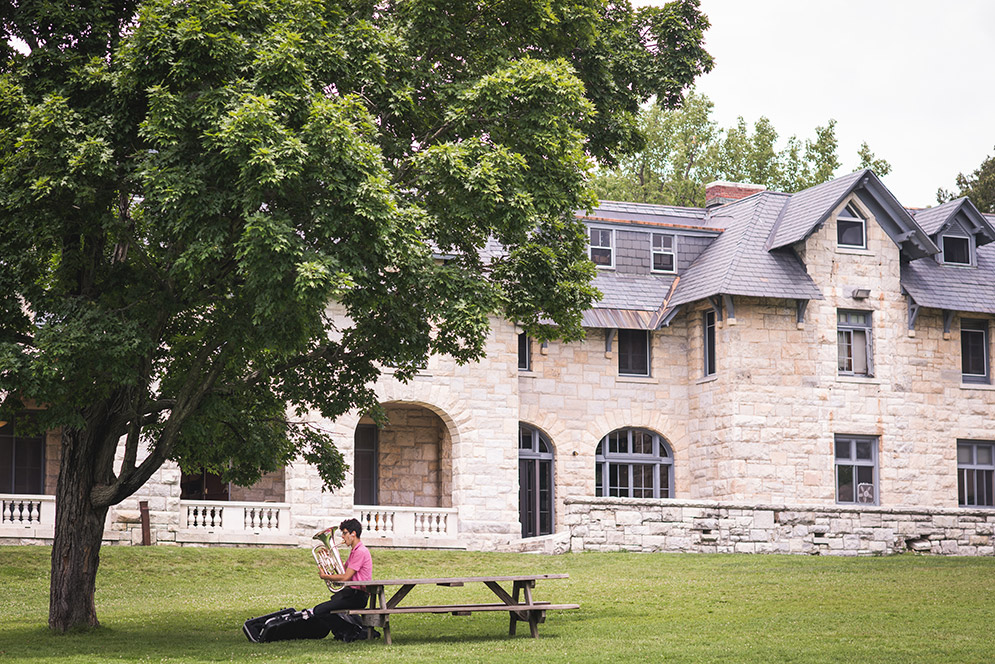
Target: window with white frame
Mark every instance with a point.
(634, 352)
(664, 252)
(856, 470)
(975, 473)
(974, 351)
(853, 332)
(851, 228)
(708, 341)
(602, 249)
(633, 463)
(956, 250)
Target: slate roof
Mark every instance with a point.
(809, 208)
(738, 263)
(952, 287)
(932, 219)
(751, 252)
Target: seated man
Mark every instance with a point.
(358, 567)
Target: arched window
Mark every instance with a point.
(634, 463)
(535, 482)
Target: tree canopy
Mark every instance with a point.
(686, 149)
(185, 187)
(979, 186)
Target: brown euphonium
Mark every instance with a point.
(327, 557)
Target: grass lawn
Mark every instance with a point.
(161, 604)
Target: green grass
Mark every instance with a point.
(162, 604)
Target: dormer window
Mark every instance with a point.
(664, 252)
(602, 247)
(956, 250)
(851, 229)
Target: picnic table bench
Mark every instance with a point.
(519, 603)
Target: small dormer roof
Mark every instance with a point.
(934, 220)
(809, 209)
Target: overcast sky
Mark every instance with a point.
(914, 79)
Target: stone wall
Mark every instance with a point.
(412, 460)
(611, 524)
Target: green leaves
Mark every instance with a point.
(187, 189)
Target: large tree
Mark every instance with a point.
(979, 186)
(186, 186)
(686, 149)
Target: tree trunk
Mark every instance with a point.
(78, 530)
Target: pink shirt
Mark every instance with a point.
(361, 562)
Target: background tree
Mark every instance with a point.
(979, 186)
(686, 149)
(185, 187)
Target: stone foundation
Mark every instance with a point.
(612, 524)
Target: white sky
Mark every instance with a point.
(915, 79)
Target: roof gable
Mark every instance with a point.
(807, 210)
(960, 211)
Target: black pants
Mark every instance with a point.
(342, 626)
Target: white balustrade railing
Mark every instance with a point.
(408, 523)
(235, 517)
(32, 516)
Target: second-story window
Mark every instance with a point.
(664, 252)
(853, 331)
(602, 247)
(633, 353)
(851, 229)
(956, 250)
(974, 350)
(708, 327)
(524, 352)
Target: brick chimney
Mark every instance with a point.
(719, 192)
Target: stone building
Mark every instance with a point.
(772, 373)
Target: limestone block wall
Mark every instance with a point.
(611, 524)
(575, 396)
(763, 427)
(413, 451)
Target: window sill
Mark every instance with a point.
(648, 380)
(866, 380)
(707, 379)
(522, 373)
(854, 251)
(978, 386)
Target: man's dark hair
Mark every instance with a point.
(353, 526)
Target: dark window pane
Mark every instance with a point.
(709, 342)
(865, 475)
(973, 352)
(850, 233)
(964, 454)
(864, 450)
(601, 256)
(663, 262)
(842, 449)
(844, 484)
(957, 250)
(633, 358)
(524, 352)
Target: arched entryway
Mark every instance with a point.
(535, 481)
(407, 462)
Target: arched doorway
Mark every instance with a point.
(535, 481)
(407, 462)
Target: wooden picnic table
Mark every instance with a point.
(519, 603)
